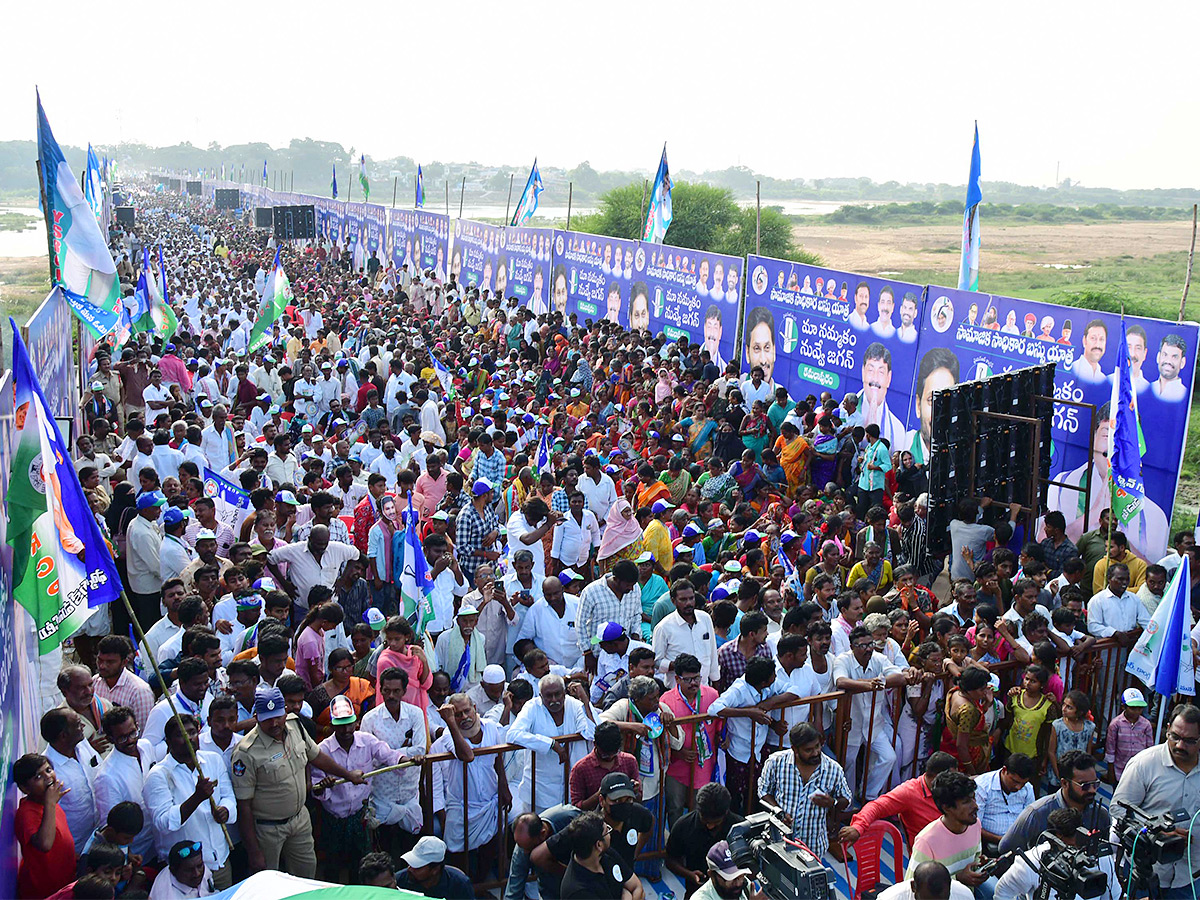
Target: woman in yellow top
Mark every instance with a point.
(657, 539)
(794, 453)
(876, 569)
(1030, 711)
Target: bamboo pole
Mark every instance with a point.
(395, 184)
(461, 196)
(508, 203)
(757, 217)
(1187, 281)
(570, 197)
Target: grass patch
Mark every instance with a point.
(24, 284)
(15, 221)
(896, 215)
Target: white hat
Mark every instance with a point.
(427, 850)
(493, 674)
(467, 610)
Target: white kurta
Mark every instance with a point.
(536, 730)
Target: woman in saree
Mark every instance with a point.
(341, 682)
(716, 483)
(967, 737)
(794, 453)
(677, 479)
(622, 534)
(756, 429)
(747, 474)
(701, 430)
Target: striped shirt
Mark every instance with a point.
(129, 691)
(782, 780)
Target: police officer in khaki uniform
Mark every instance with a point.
(270, 784)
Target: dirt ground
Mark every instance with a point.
(1009, 248)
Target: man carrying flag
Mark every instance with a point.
(659, 215)
(62, 566)
(968, 270)
(276, 298)
(528, 203)
(420, 198)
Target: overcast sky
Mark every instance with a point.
(791, 89)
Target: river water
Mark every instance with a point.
(30, 242)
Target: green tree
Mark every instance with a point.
(775, 237)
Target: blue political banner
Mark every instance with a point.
(510, 261)
(648, 286)
(419, 239)
(352, 223)
(18, 728)
(967, 335)
(48, 337)
(814, 329)
(375, 220)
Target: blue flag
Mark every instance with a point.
(62, 567)
(1128, 489)
(93, 186)
(541, 460)
(233, 504)
(660, 215)
(264, 171)
(1162, 656)
(416, 581)
(528, 203)
(81, 260)
(420, 200)
(334, 181)
(444, 377)
(968, 269)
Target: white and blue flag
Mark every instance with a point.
(659, 215)
(528, 203)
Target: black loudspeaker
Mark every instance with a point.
(174, 184)
(295, 222)
(193, 188)
(228, 198)
(263, 217)
(125, 215)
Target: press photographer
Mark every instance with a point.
(1061, 865)
(1162, 781)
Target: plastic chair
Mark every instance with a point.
(349, 521)
(868, 850)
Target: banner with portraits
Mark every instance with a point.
(375, 223)
(967, 336)
(352, 223)
(508, 261)
(680, 292)
(814, 329)
(419, 240)
(895, 344)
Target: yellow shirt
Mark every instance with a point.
(657, 540)
(1137, 572)
(859, 571)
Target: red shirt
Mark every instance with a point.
(911, 801)
(587, 774)
(41, 874)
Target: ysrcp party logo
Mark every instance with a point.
(760, 279)
(36, 479)
(790, 334)
(558, 243)
(210, 488)
(639, 259)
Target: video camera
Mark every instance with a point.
(786, 869)
(1149, 840)
(1071, 870)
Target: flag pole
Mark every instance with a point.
(570, 196)
(508, 205)
(447, 198)
(395, 182)
(1187, 281)
(462, 195)
(144, 645)
(46, 214)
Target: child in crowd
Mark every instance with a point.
(1074, 731)
(40, 826)
(1128, 734)
(1030, 710)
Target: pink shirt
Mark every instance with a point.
(417, 687)
(366, 753)
(310, 650)
(678, 769)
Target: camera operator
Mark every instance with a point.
(930, 881)
(1165, 778)
(1022, 877)
(726, 879)
(1079, 785)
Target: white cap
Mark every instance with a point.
(493, 674)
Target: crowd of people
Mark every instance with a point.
(640, 570)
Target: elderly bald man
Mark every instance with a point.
(317, 560)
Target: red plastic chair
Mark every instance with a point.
(868, 851)
(349, 521)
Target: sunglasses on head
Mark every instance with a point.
(185, 852)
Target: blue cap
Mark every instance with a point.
(481, 487)
(169, 348)
(268, 703)
(148, 499)
(174, 516)
(787, 537)
(248, 601)
(692, 529)
(661, 506)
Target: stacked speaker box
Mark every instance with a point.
(263, 217)
(125, 215)
(174, 184)
(194, 188)
(986, 456)
(228, 198)
(295, 222)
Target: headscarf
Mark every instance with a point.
(123, 499)
(619, 531)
